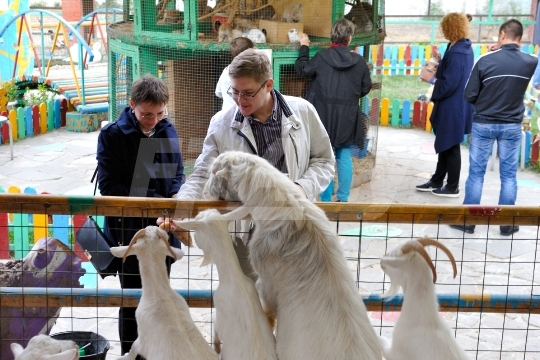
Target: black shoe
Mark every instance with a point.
(446, 192)
(508, 230)
(469, 229)
(428, 186)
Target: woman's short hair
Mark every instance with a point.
(251, 64)
(341, 30)
(239, 45)
(149, 89)
(455, 26)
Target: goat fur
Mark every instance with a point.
(240, 321)
(166, 329)
(420, 333)
(303, 277)
(43, 347)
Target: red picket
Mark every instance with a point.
(78, 221)
(63, 111)
(35, 120)
(535, 148)
(423, 116)
(4, 236)
(417, 108)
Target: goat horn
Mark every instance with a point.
(416, 246)
(139, 234)
(427, 241)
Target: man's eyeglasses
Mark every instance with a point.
(151, 116)
(246, 96)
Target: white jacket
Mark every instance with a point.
(222, 86)
(308, 153)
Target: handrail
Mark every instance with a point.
(343, 212)
(57, 17)
(98, 11)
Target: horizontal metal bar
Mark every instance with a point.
(66, 297)
(345, 212)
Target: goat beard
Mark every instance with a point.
(394, 288)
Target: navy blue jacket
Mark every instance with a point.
(130, 164)
(339, 79)
(497, 85)
(452, 116)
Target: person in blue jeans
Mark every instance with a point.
(495, 88)
(339, 79)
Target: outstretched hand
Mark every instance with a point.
(181, 234)
(304, 39)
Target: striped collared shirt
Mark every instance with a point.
(268, 137)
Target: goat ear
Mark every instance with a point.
(119, 251)
(223, 173)
(64, 355)
(178, 253)
(16, 349)
(188, 224)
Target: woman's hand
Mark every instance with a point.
(181, 234)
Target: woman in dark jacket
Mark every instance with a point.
(451, 117)
(339, 79)
(138, 155)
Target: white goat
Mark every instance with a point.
(303, 276)
(166, 329)
(43, 347)
(240, 321)
(420, 333)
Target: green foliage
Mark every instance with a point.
(111, 4)
(40, 4)
(402, 87)
(38, 96)
(11, 90)
(434, 10)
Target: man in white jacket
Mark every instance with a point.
(284, 130)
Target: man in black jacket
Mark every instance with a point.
(339, 79)
(496, 87)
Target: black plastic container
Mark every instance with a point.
(97, 350)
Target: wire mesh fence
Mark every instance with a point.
(492, 305)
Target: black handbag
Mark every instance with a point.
(96, 245)
(97, 248)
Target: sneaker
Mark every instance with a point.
(429, 186)
(508, 230)
(469, 229)
(446, 192)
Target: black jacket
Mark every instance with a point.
(497, 84)
(130, 164)
(339, 79)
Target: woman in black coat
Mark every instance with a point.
(138, 155)
(339, 79)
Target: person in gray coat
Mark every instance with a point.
(339, 79)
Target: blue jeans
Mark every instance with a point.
(508, 138)
(345, 174)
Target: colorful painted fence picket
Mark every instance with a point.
(397, 114)
(19, 232)
(35, 120)
(408, 59)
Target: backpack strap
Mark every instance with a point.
(94, 177)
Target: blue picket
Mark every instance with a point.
(60, 228)
(57, 118)
(29, 121)
(406, 113)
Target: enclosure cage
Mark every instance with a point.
(178, 42)
(492, 306)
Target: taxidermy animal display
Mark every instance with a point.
(165, 327)
(256, 36)
(420, 333)
(292, 13)
(43, 347)
(303, 279)
(240, 323)
(361, 14)
(226, 33)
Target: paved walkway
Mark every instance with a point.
(62, 162)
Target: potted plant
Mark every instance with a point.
(37, 96)
(11, 93)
